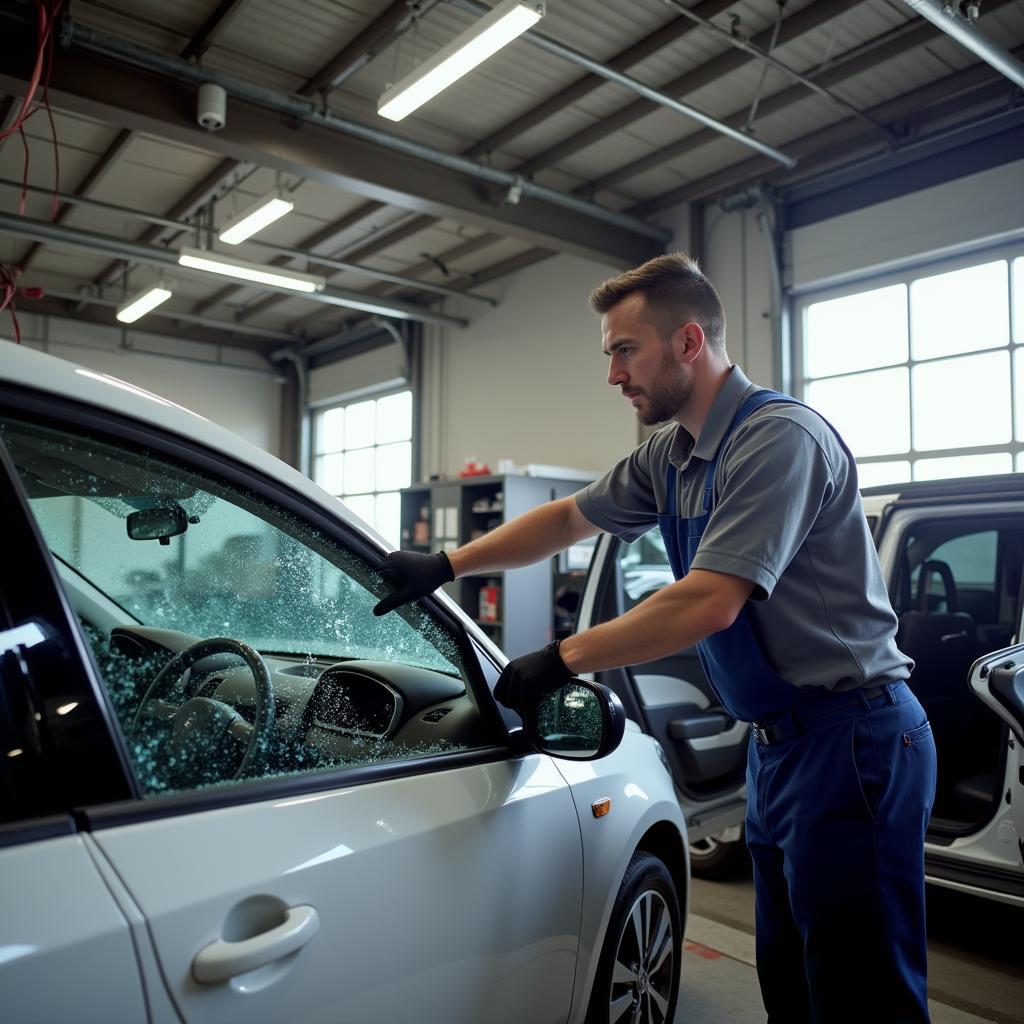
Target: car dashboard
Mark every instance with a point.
(328, 713)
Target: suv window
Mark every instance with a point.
(156, 557)
(644, 568)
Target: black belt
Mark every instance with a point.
(799, 719)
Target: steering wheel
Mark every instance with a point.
(200, 724)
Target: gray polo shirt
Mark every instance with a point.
(787, 517)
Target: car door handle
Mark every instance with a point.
(222, 960)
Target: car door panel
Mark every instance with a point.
(670, 695)
(65, 949)
(430, 908)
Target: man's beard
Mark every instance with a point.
(667, 395)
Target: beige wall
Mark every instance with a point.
(526, 380)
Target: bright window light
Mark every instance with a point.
(142, 303)
(228, 266)
(493, 31)
(255, 218)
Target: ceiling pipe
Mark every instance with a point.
(948, 17)
(140, 252)
(303, 254)
(308, 111)
(558, 49)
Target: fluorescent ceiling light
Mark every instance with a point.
(493, 31)
(275, 277)
(142, 303)
(255, 218)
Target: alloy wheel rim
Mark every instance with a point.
(644, 963)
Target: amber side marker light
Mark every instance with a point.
(601, 807)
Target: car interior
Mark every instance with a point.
(956, 593)
(234, 641)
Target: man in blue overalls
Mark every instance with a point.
(779, 586)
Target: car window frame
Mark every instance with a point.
(62, 413)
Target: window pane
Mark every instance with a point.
(962, 311)
(388, 513)
(874, 474)
(394, 466)
(359, 471)
(857, 332)
(363, 506)
(394, 418)
(360, 420)
(1018, 300)
(845, 401)
(962, 402)
(330, 431)
(963, 465)
(328, 472)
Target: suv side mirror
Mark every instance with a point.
(580, 721)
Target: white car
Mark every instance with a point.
(232, 794)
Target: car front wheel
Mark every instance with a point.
(637, 978)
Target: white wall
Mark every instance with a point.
(246, 400)
(526, 380)
(982, 208)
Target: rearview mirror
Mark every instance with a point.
(157, 523)
(580, 721)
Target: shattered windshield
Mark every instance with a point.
(239, 567)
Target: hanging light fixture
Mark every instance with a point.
(228, 266)
(144, 302)
(256, 217)
(509, 19)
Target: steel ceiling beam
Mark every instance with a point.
(377, 36)
(820, 148)
(868, 55)
(655, 41)
(658, 40)
(63, 304)
(793, 27)
(88, 185)
(220, 18)
(92, 242)
(322, 236)
(655, 96)
(408, 175)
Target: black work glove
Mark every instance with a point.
(524, 681)
(413, 575)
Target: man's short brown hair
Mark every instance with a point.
(675, 291)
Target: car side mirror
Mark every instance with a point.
(580, 721)
(157, 523)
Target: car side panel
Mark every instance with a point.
(65, 950)
(452, 896)
(642, 796)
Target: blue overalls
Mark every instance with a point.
(839, 792)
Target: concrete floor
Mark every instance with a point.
(976, 959)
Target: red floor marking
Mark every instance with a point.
(702, 951)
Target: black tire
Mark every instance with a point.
(643, 948)
(712, 859)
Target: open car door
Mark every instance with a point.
(671, 700)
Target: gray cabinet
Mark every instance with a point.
(516, 607)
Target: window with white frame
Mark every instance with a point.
(923, 373)
(363, 455)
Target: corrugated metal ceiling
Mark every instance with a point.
(284, 44)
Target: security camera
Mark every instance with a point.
(212, 108)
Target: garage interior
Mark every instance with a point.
(800, 149)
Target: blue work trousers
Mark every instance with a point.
(836, 817)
